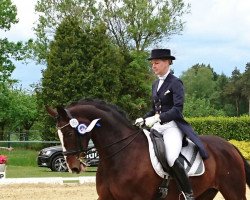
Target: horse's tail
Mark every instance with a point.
(247, 167)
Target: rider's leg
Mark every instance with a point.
(179, 174)
(173, 143)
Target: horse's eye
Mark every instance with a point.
(69, 134)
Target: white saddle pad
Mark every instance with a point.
(190, 152)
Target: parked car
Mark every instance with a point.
(53, 158)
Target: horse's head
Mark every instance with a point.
(79, 122)
(74, 132)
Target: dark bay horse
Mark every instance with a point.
(125, 171)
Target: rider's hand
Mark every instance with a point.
(139, 121)
(150, 121)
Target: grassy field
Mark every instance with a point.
(30, 171)
(22, 164)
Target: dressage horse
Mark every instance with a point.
(125, 171)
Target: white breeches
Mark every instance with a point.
(172, 137)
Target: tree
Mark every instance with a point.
(82, 63)
(199, 81)
(196, 107)
(204, 91)
(24, 112)
(233, 90)
(136, 79)
(219, 99)
(139, 23)
(8, 14)
(131, 23)
(51, 14)
(5, 100)
(246, 85)
(8, 51)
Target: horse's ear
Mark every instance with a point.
(62, 112)
(52, 112)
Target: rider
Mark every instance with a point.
(166, 116)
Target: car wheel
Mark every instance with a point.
(59, 164)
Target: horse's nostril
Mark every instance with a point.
(75, 170)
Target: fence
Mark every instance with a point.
(31, 140)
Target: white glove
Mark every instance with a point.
(139, 121)
(150, 121)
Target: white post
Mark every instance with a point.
(2, 171)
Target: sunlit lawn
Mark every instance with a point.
(22, 163)
(29, 171)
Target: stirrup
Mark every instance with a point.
(188, 196)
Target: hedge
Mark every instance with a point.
(243, 146)
(229, 128)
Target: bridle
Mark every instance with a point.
(80, 147)
(81, 150)
(80, 130)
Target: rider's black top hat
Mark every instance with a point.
(161, 54)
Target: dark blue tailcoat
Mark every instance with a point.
(168, 102)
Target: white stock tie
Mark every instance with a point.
(161, 80)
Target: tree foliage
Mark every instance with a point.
(8, 49)
(81, 63)
(15, 107)
(18, 110)
(199, 81)
(223, 95)
(197, 107)
(132, 24)
(136, 80)
(8, 14)
(233, 90)
(137, 24)
(51, 14)
(246, 85)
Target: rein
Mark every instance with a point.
(117, 142)
(82, 150)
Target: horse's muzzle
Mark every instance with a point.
(77, 170)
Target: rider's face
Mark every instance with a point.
(160, 67)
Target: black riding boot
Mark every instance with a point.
(179, 174)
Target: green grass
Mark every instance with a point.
(22, 157)
(22, 164)
(30, 171)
